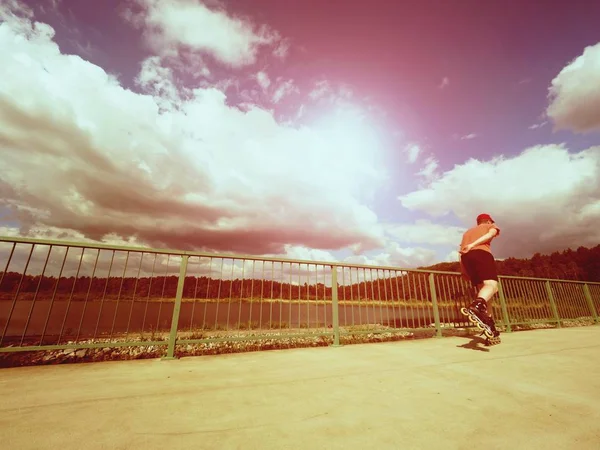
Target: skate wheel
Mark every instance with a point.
(494, 341)
(472, 318)
(479, 324)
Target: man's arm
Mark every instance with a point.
(486, 237)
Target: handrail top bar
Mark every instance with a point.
(554, 280)
(93, 245)
(100, 246)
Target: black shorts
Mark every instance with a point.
(479, 265)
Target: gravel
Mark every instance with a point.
(272, 340)
(110, 353)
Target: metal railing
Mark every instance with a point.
(63, 295)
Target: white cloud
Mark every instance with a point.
(453, 256)
(274, 90)
(426, 232)
(429, 172)
(40, 231)
(170, 25)
(535, 126)
(322, 88)
(263, 80)
(413, 151)
(307, 254)
(325, 94)
(300, 112)
(445, 82)
(396, 256)
(282, 50)
(12, 9)
(575, 93)
(429, 165)
(284, 89)
(468, 137)
(545, 199)
(188, 63)
(158, 80)
(188, 172)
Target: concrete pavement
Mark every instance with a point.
(538, 389)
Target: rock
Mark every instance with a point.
(80, 353)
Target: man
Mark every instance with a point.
(479, 267)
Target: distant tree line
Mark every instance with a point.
(582, 264)
(209, 288)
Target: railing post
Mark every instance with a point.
(436, 311)
(552, 303)
(177, 309)
(588, 297)
(503, 306)
(335, 307)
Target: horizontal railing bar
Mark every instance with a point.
(258, 337)
(537, 322)
(392, 331)
(557, 280)
(41, 348)
(96, 246)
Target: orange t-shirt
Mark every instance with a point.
(475, 233)
(471, 235)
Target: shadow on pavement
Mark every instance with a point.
(475, 343)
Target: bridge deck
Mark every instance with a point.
(538, 389)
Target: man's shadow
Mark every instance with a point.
(475, 343)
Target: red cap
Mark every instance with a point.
(481, 217)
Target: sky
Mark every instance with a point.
(367, 132)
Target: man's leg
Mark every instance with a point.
(479, 267)
(487, 290)
(487, 284)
